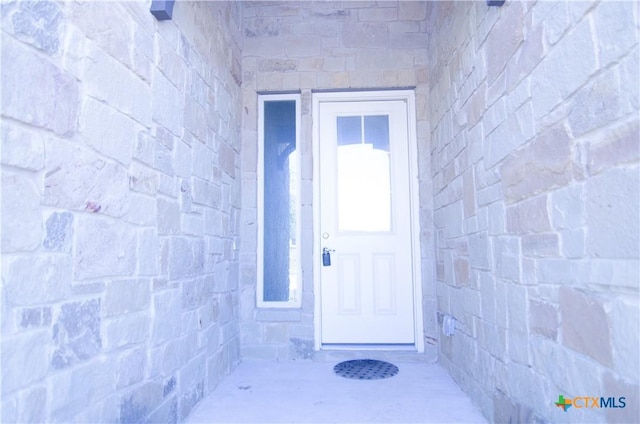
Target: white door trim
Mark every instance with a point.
(407, 96)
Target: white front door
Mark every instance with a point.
(367, 290)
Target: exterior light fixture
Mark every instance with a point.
(162, 9)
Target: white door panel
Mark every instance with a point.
(367, 291)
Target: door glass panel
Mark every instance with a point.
(364, 178)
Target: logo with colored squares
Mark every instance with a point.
(563, 403)
(590, 402)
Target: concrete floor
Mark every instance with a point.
(310, 392)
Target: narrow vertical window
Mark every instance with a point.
(279, 276)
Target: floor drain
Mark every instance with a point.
(365, 369)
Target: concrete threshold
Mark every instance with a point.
(310, 392)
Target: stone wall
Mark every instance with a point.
(291, 45)
(120, 208)
(534, 148)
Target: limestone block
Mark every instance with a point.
(25, 359)
(377, 14)
(567, 207)
(192, 373)
(490, 194)
(86, 183)
(182, 159)
(586, 325)
(142, 210)
(109, 26)
(625, 334)
(167, 308)
(564, 368)
(22, 148)
(125, 330)
(274, 315)
(76, 387)
(37, 23)
(168, 104)
(168, 217)
(529, 216)
(104, 248)
(507, 410)
(616, 30)
(567, 66)
(619, 145)
(163, 160)
(126, 296)
(502, 142)
(573, 243)
(168, 185)
(555, 18)
(562, 271)
(198, 89)
(186, 257)
(21, 213)
(107, 130)
(172, 65)
(36, 279)
(613, 196)
(35, 317)
(597, 104)
(407, 41)
(517, 309)
(303, 46)
(177, 352)
(267, 48)
(144, 148)
(374, 60)
(541, 245)
(143, 179)
(139, 402)
(195, 119)
(504, 39)
(103, 79)
(526, 58)
(203, 161)
(543, 164)
(192, 293)
(166, 412)
(59, 228)
(76, 333)
(52, 101)
(543, 319)
(32, 405)
(190, 399)
(206, 193)
(496, 217)
(301, 348)
(412, 11)
(461, 271)
(476, 105)
(148, 252)
(487, 297)
(131, 367)
(506, 256)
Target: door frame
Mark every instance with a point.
(408, 96)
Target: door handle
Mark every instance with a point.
(326, 256)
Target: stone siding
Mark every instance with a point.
(120, 208)
(534, 148)
(299, 45)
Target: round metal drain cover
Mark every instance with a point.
(365, 369)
